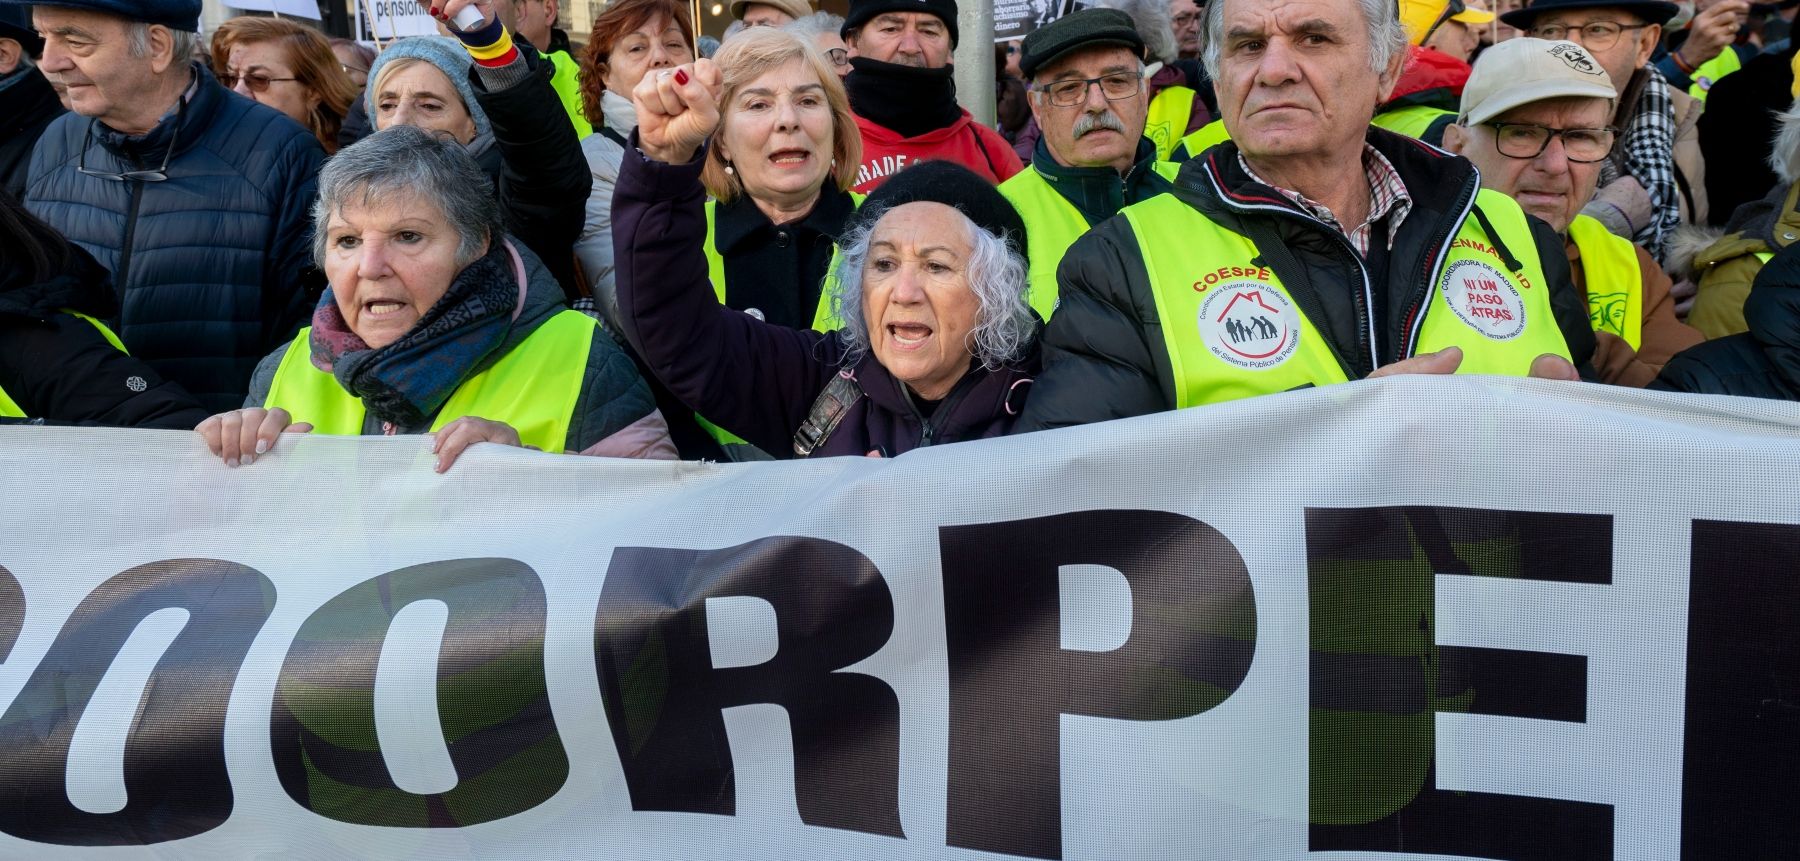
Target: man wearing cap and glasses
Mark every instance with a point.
(27, 102)
(1534, 122)
(1642, 193)
(197, 201)
(1088, 95)
(1309, 249)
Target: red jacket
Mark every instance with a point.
(964, 142)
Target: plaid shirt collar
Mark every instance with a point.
(1387, 196)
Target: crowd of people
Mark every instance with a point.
(796, 242)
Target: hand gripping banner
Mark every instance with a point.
(1409, 619)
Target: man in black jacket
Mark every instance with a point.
(197, 201)
(27, 103)
(1310, 250)
(1763, 362)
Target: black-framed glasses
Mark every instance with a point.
(157, 175)
(349, 69)
(838, 57)
(257, 82)
(1529, 140)
(1116, 86)
(1594, 35)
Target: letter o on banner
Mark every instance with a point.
(493, 705)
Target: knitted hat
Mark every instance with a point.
(15, 24)
(954, 185)
(449, 56)
(1652, 11)
(794, 8)
(1083, 29)
(862, 11)
(181, 15)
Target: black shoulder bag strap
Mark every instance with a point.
(828, 410)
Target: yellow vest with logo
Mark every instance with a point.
(1203, 139)
(1052, 224)
(1615, 283)
(567, 83)
(534, 387)
(1712, 70)
(1413, 121)
(1168, 119)
(10, 409)
(1233, 331)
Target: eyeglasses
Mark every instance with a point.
(838, 57)
(1528, 140)
(157, 175)
(257, 82)
(348, 70)
(1594, 35)
(1116, 86)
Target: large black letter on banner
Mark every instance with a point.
(1193, 633)
(492, 702)
(1378, 680)
(1740, 775)
(175, 779)
(663, 696)
(12, 612)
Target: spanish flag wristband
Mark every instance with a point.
(490, 46)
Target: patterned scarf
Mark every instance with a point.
(407, 382)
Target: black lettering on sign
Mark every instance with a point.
(12, 612)
(1193, 633)
(664, 698)
(493, 705)
(1741, 764)
(175, 779)
(1378, 679)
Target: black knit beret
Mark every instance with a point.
(954, 185)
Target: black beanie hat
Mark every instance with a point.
(15, 24)
(953, 185)
(861, 11)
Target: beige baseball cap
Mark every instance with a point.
(1523, 70)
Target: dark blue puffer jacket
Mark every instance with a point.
(213, 265)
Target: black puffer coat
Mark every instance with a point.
(1761, 363)
(27, 106)
(213, 265)
(59, 368)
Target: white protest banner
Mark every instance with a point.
(392, 19)
(1415, 618)
(293, 8)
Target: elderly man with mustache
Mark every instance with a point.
(1090, 100)
(1309, 249)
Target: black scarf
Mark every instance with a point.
(906, 99)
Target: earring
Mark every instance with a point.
(729, 171)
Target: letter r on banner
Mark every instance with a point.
(1193, 633)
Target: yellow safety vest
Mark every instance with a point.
(535, 387)
(1615, 283)
(567, 83)
(1712, 70)
(1168, 119)
(1052, 224)
(10, 409)
(1412, 121)
(1203, 139)
(1233, 331)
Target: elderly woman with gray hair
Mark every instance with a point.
(936, 342)
(437, 322)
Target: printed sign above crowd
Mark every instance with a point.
(1016, 19)
(1443, 618)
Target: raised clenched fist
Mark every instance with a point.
(677, 110)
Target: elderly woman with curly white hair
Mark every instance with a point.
(935, 342)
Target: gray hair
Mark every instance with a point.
(409, 161)
(1150, 18)
(1387, 36)
(1004, 324)
(814, 25)
(183, 43)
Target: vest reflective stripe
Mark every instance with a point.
(1413, 121)
(1233, 331)
(1765, 256)
(1203, 139)
(1170, 113)
(534, 388)
(1615, 283)
(1052, 224)
(1712, 70)
(10, 409)
(567, 83)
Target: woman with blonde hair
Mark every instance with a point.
(288, 67)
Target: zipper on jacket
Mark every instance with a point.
(122, 276)
(927, 432)
(1407, 343)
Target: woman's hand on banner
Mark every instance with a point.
(458, 435)
(677, 110)
(240, 435)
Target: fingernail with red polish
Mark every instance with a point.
(681, 77)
